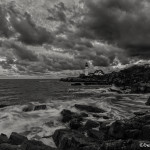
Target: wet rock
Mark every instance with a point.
(148, 102)
(116, 89)
(16, 139)
(97, 135)
(89, 108)
(6, 146)
(3, 138)
(28, 108)
(146, 132)
(91, 124)
(132, 134)
(96, 116)
(3, 105)
(140, 113)
(116, 130)
(84, 114)
(121, 145)
(105, 117)
(71, 140)
(76, 84)
(35, 145)
(75, 124)
(40, 107)
(67, 116)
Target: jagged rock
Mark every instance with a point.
(3, 105)
(91, 124)
(148, 102)
(31, 107)
(89, 108)
(16, 139)
(146, 132)
(3, 138)
(116, 130)
(121, 145)
(35, 145)
(84, 114)
(28, 108)
(140, 113)
(75, 124)
(6, 146)
(97, 135)
(105, 117)
(115, 89)
(40, 107)
(72, 140)
(67, 116)
(132, 134)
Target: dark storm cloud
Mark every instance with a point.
(23, 53)
(4, 27)
(29, 32)
(125, 22)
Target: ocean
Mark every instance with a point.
(57, 95)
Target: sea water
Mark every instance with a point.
(56, 95)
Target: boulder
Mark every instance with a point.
(6, 146)
(16, 139)
(121, 145)
(28, 108)
(89, 108)
(140, 113)
(3, 138)
(35, 145)
(75, 124)
(40, 107)
(148, 102)
(97, 135)
(72, 140)
(116, 130)
(91, 124)
(132, 134)
(67, 116)
(146, 132)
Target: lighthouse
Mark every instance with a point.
(86, 70)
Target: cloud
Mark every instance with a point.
(123, 22)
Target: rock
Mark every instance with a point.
(146, 132)
(89, 108)
(72, 140)
(3, 138)
(75, 124)
(84, 114)
(116, 130)
(3, 105)
(76, 84)
(140, 113)
(91, 124)
(105, 117)
(28, 108)
(115, 89)
(67, 116)
(6, 146)
(16, 139)
(96, 116)
(121, 145)
(148, 102)
(35, 145)
(97, 135)
(40, 107)
(132, 134)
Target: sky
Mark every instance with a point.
(55, 38)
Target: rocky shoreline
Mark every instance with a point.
(81, 133)
(134, 79)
